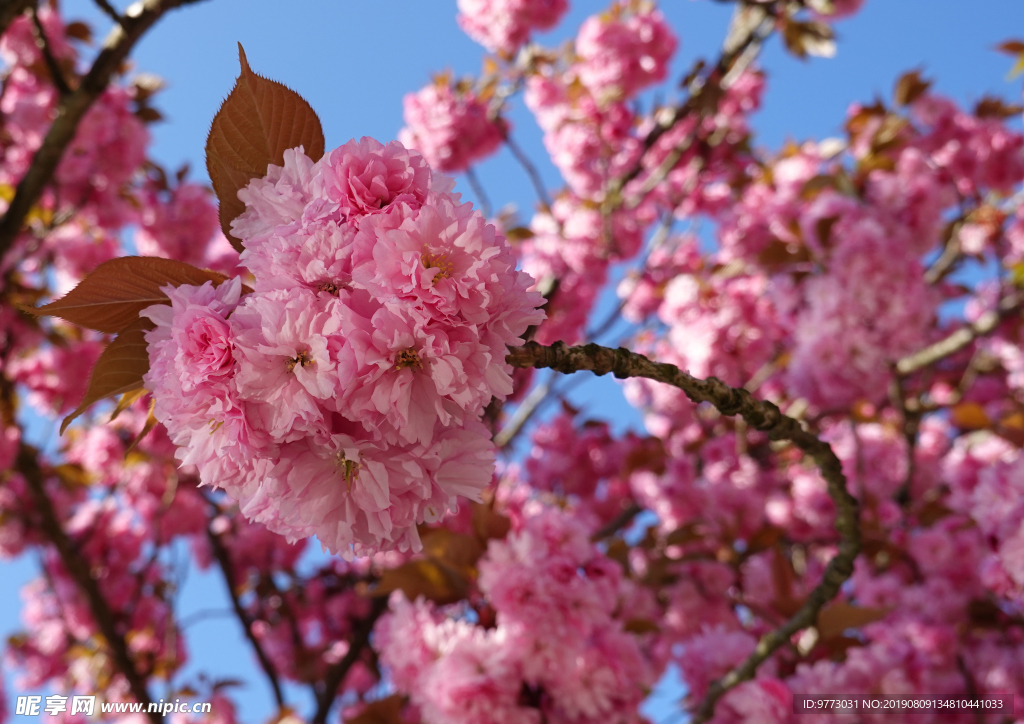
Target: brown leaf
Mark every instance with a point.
(457, 550)
(993, 107)
(487, 524)
(837, 617)
(431, 579)
(640, 626)
(518, 233)
(119, 369)
(259, 121)
(79, 31)
(111, 297)
(969, 416)
(910, 87)
(383, 711)
(151, 422)
(1011, 47)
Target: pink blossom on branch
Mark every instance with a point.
(342, 398)
(504, 25)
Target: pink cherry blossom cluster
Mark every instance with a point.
(451, 126)
(624, 50)
(110, 142)
(503, 25)
(559, 651)
(342, 397)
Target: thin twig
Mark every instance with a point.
(107, 8)
(749, 28)
(758, 414)
(43, 43)
(620, 521)
(531, 170)
(478, 191)
(657, 239)
(522, 414)
(337, 673)
(961, 338)
(220, 553)
(79, 570)
(72, 109)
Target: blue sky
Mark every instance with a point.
(353, 61)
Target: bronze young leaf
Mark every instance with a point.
(111, 297)
(259, 121)
(118, 370)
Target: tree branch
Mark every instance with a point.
(478, 190)
(760, 415)
(73, 107)
(220, 552)
(531, 170)
(78, 568)
(43, 43)
(961, 338)
(10, 10)
(750, 26)
(337, 673)
(107, 8)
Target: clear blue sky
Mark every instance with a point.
(353, 61)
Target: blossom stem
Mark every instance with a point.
(758, 414)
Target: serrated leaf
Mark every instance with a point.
(111, 297)
(837, 617)
(119, 369)
(259, 121)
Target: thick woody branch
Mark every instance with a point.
(220, 552)
(73, 107)
(758, 414)
(78, 568)
(961, 338)
(337, 673)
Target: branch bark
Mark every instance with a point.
(337, 673)
(758, 414)
(961, 338)
(73, 107)
(78, 569)
(220, 552)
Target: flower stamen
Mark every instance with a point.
(349, 469)
(302, 360)
(439, 262)
(408, 358)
